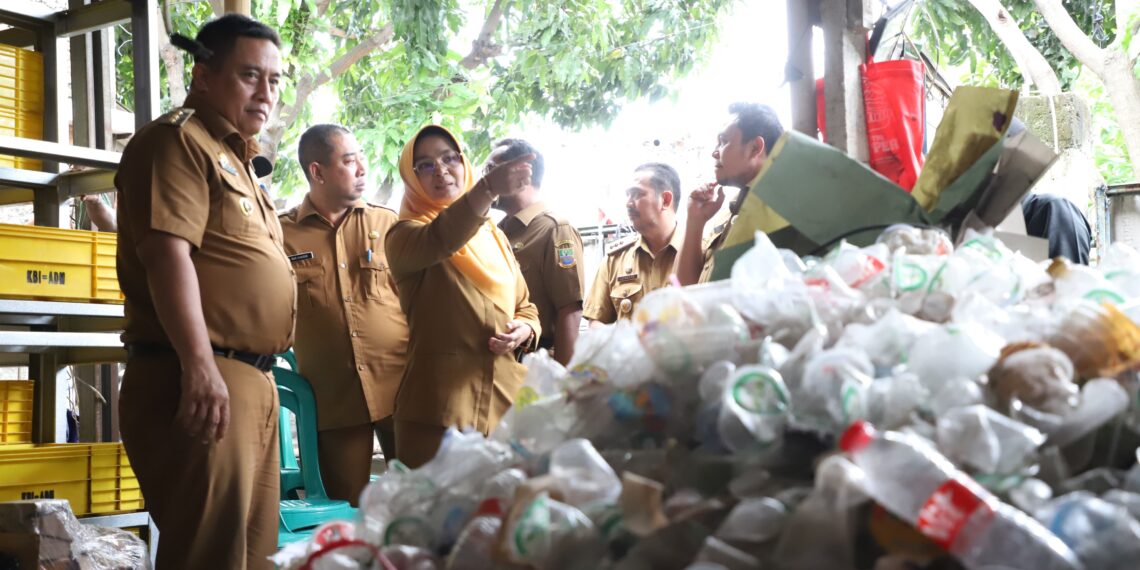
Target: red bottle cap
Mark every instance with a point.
(857, 436)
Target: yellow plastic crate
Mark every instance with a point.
(16, 398)
(21, 100)
(26, 124)
(21, 79)
(95, 478)
(57, 264)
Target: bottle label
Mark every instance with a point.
(947, 510)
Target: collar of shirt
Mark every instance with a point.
(221, 128)
(528, 214)
(675, 241)
(524, 217)
(307, 208)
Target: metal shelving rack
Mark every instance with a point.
(47, 335)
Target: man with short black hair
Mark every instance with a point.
(629, 273)
(741, 152)
(352, 336)
(548, 249)
(210, 298)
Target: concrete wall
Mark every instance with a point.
(1065, 125)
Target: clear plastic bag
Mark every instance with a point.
(986, 442)
(861, 268)
(551, 534)
(953, 351)
(1039, 376)
(892, 402)
(831, 393)
(1101, 400)
(610, 354)
(682, 335)
(888, 340)
(587, 478)
(544, 377)
(769, 295)
(916, 241)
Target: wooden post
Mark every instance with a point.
(845, 27)
(801, 69)
(238, 6)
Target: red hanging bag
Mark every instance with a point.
(895, 109)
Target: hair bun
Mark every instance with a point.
(193, 47)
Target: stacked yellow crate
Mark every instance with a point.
(16, 411)
(58, 265)
(96, 478)
(21, 99)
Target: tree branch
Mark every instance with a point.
(365, 47)
(484, 48)
(1071, 36)
(175, 65)
(284, 115)
(1034, 67)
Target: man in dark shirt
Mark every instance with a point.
(1060, 221)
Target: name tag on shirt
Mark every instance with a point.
(627, 278)
(300, 256)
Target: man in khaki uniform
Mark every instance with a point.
(741, 151)
(638, 265)
(209, 299)
(549, 252)
(352, 338)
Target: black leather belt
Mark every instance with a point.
(262, 362)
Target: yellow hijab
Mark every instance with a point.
(486, 259)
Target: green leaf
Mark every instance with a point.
(283, 9)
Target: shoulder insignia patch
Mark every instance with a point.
(621, 244)
(178, 117)
(564, 252)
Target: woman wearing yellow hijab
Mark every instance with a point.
(467, 305)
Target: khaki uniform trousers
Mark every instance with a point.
(346, 457)
(417, 443)
(215, 505)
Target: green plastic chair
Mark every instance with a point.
(296, 396)
(291, 479)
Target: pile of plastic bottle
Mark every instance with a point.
(904, 405)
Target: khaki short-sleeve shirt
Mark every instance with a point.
(629, 272)
(549, 251)
(352, 337)
(188, 174)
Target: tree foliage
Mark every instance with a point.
(955, 34)
(576, 62)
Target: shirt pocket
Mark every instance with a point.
(374, 277)
(240, 213)
(310, 285)
(625, 296)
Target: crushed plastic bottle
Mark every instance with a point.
(913, 481)
(1105, 536)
